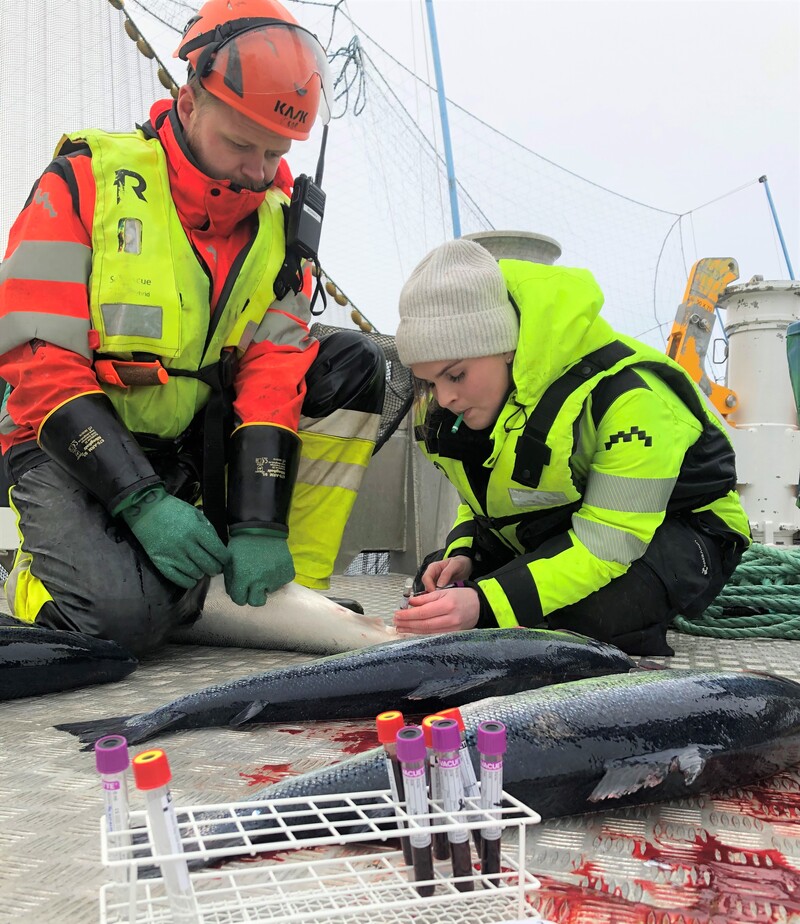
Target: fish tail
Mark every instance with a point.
(89, 732)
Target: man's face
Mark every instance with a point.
(227, 145)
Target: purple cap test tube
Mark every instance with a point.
(445, 735)
(112, 761)
(411, 753)
(410, 744)
(446, 738)
(492, 738)
(491, 741)
(111, 754)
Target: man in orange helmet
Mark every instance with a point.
(154, 334)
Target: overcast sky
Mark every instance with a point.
(666, 102)
(670, 102)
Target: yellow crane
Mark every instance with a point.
(694, 323)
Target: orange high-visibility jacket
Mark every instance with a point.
(219, 223)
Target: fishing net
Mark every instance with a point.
(69, 64)
(399, 390)
(386, 180)
(66, 65)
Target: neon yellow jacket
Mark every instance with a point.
(149, 293)
(599, 440)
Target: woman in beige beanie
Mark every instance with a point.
(597, 488)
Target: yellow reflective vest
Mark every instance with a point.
(149, 293)
(600, 438)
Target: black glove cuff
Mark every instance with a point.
(87, 439)
(262, 470)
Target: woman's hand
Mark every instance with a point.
(439, 611)
(447, 571)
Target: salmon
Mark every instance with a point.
(604, 742)
(35, 661)
(417, 674)
(294, 618)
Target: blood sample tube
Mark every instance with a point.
(388, 724)
(446, 743)
(152, 774)
(112, 762)
(411, 754)
(491, 741)
(441, 848)
(468, 778)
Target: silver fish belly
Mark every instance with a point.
(294, 618)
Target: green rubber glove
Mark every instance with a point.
(177, 538)
(260, 563)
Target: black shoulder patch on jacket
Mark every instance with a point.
(62, 167)
(628, 436)
(609, 389)
(532, 451)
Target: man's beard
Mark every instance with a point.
(200, 162)
(253, 187)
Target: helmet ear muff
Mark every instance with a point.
(205, 60)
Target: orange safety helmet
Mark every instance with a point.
(255, 56)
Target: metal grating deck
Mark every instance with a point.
(729, 858)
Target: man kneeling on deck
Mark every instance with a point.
(154, 330)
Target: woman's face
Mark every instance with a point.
(476, 387)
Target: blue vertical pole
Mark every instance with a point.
(448, 150)
(763, 179)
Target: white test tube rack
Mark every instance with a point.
(370, 885)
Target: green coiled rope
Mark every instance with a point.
(761, 599)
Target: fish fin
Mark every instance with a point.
(443, 688)
(692, 761)
(352, 605)
(250, 711)
(136, 728)
(644, 664)
(632, 774)
(89, 732)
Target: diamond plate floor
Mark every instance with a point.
(733, 857)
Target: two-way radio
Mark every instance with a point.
(303, 222)
(304, 219)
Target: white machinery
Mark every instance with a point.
(764, 419)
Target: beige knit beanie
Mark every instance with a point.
(455, 306)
